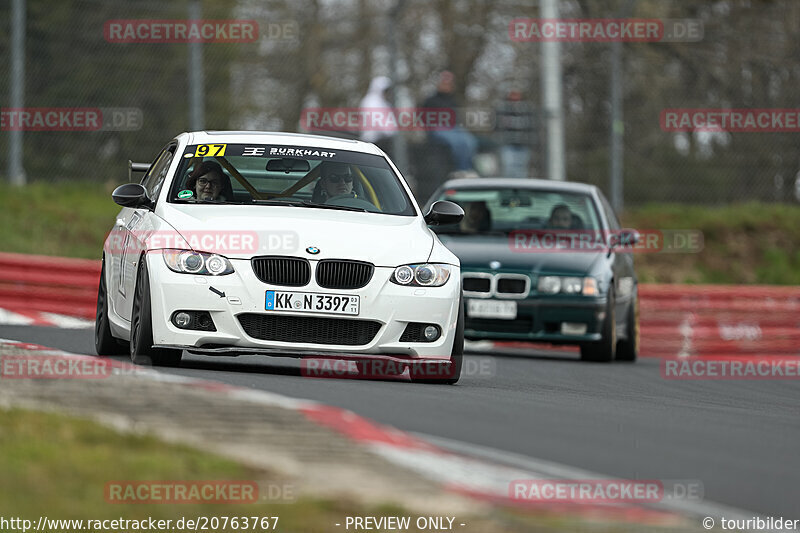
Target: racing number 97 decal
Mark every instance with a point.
(211, 150)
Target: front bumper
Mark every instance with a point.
(392, 306)
(540, 319)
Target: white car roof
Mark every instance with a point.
(281, 138)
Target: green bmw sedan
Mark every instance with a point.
(544, 261)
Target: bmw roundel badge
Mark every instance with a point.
(312, 250)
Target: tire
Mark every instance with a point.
(141, 342)
(104, 342)
(628, 349)
(456, 356)
(603, 351)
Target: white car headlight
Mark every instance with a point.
(422, 275)
(202, 264)
(216, 265)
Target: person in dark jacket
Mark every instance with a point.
(516, 129)
(462, 144)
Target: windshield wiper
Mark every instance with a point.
(308, 203)
(277, 202)
(203, 202)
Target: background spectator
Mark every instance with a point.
(378, 100)
(515, 126)
(462, 144)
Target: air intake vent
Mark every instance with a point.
(315, 330)
(508, 285)
(338, 274)
(286, 271)
(476, 284)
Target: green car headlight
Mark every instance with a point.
(571, 285)
(549, 285)
(567, 285)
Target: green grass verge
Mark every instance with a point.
(58, 466)
(744, 243)
(62, 219)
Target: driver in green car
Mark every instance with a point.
(477, 218)
(561, 218)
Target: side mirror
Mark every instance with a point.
(628, 237)
(444, 212)
(131, 195)
(625, 238)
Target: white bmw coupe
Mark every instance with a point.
(280, 244)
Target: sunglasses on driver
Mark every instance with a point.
(336, 178)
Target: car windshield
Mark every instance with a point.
(503, 210)
(258, 174)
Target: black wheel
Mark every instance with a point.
(104, 342)
(453, 371)
(628, 349)
(141, 343)
(603, 350)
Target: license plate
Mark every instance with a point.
(573, 328)
(311, 302)
(504, 310)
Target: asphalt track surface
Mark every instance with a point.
(741, 439)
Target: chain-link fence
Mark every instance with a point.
(324, 53)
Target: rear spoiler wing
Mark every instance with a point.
(136, 167)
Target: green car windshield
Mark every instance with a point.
(291, 176)
(488, 211)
